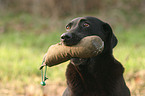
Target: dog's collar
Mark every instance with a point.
(79, 75)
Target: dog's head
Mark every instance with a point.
(81, 27)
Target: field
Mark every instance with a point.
(23, 45)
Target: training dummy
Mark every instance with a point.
(88, 47)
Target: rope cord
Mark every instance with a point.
(44, 78)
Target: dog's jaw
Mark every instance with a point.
(78, 61)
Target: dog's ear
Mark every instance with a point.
(108, 30)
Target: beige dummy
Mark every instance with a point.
(88, 47)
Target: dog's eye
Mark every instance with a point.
(86, 25)
(67, 27)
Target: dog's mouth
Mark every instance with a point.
(78, 61)
(70, 42)
(98, 48)
(70, 39)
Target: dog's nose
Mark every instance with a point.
(66, 36)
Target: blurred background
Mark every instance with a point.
(29, 27)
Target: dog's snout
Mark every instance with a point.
(66, 36)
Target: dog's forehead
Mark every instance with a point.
(87, 18)
(78, 19)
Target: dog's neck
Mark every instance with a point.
(102, 64)
(105, 70)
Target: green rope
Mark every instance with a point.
(44, 78)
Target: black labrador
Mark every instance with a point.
(101, 75)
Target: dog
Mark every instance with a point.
(101, 75)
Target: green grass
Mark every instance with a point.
(25, 40)
(131, 48)
(21, 53)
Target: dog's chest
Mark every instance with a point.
(85, 85)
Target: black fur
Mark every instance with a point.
(103, 74)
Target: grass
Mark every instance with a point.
(130, 49)
(22, 53)
(24, 40)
